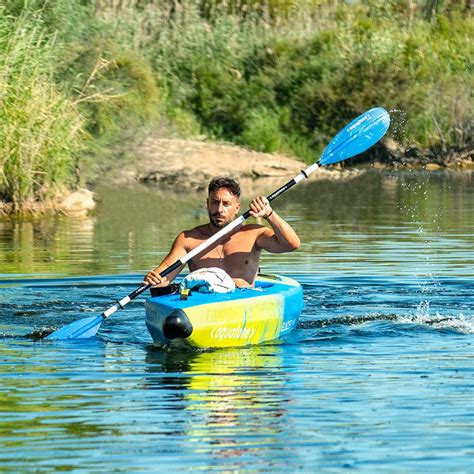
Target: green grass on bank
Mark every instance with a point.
(83, 80)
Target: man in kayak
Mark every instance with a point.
(237, 253)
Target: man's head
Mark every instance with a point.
(223, 201)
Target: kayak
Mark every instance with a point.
(243, 317)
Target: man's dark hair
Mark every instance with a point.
(231, 184)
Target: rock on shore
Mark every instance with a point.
(77, 203)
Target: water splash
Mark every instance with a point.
(399, 125)
(461, 323)
(423, 217)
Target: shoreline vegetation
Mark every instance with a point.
(84, 83)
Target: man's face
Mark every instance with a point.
(222, 206)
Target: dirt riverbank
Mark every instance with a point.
(187, 165)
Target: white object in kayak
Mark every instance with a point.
(208, 280)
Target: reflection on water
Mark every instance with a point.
(46, 246)
(225, 392)
(390, 223)
(376, 377)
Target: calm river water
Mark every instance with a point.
(378, 376)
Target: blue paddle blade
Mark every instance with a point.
(80, 329)
(363, 132)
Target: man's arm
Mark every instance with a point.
(281, 237)
(177, 251)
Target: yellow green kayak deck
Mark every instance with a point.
(242, 317)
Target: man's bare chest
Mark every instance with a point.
(228, 248)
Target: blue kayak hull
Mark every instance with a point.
(243, 317)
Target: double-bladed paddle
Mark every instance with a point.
(358, 136)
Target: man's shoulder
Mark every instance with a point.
(253, 228)
(196, 232)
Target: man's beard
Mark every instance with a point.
(218, 224)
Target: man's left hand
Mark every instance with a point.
(260, 207)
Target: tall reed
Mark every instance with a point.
(40, 126)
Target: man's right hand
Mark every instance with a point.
(154, 279)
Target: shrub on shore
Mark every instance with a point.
(287, 75)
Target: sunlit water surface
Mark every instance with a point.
(378, 376)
